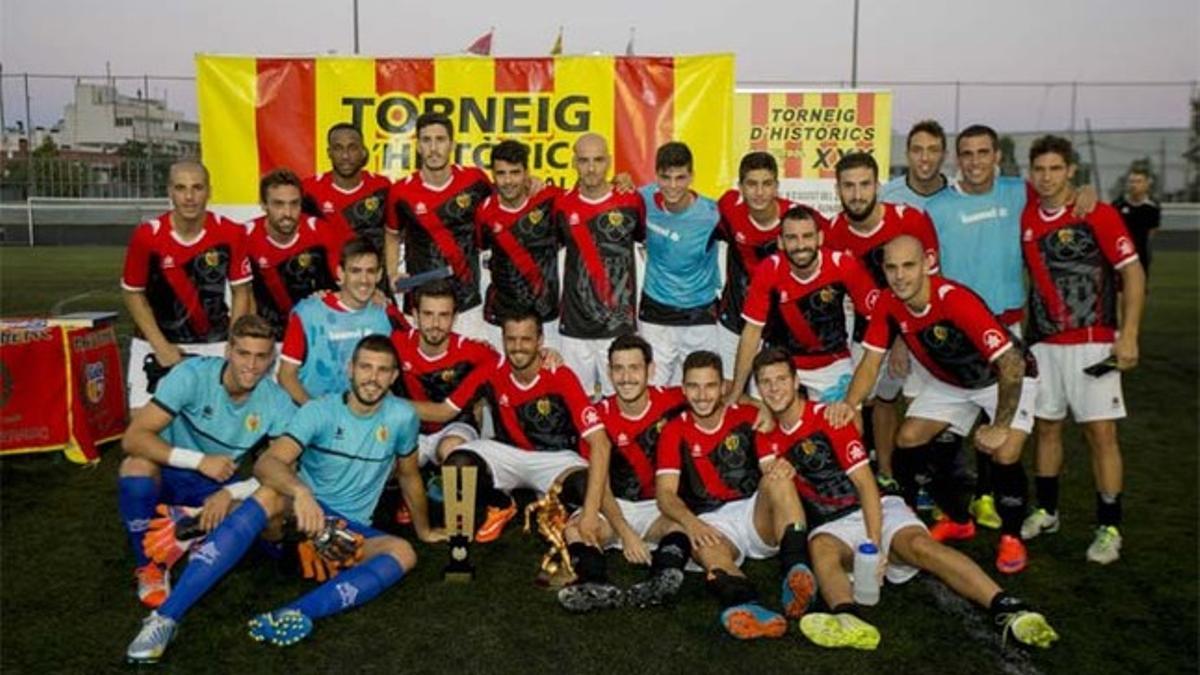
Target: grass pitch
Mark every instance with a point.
(67, 601)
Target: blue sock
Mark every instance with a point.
(136, 498)
(353, 587)
(215, 557)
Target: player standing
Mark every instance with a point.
(925, 148)
(176, 271)
(1142, 215)
(1078, 268)
(348, 196)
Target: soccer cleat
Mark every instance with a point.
(172, 534)
(947, 530)
(151, 640)
(1011, 556)
(1040, 521)
(281, 628)
(1029, 628)
(494, 522)
(750, 620)
(839, 630)
(1106, 547)
(590, 596)
(657, 590)
(153, 585)
(799, 590)
(887, 484)
(983, 509)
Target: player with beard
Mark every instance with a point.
(796, 301)
(708, 481)
(634, 417)
(599, 226)
(863, 228)
(433, 210)
(518, 229)
(925, 149)
(749, 226)
(349, 197)
(976, 367)
(1079, 267)
(183, 448)
(177, 270)
(292, 255)
(343, 448)
(833, 478)
(323, 329)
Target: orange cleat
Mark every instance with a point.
(153, 586)
(1011, 556)
(947, 530)
(494, 522)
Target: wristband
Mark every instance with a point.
(242, 489)
(182, 458)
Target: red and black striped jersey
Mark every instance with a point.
(363, 210)
(715, 466)
(635, 440)
(524, 265)
(897, 219)
(435, 378)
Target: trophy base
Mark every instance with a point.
(458, 576)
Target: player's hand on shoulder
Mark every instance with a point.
(623, 183)
(217, 467)
(551, 358)
(1085, 201)
(765, 422)
(216, 507)
(839, 414)
(168, 356)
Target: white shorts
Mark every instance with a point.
(887, 387)
(1062, 383)
(139, 349)
(550, 338)
(427, 443)
(827, 383)
(588, 359)
(851, 530)
(735, 520)
(672, 344)
(919, 375)
(640, 515)
(960, 407)
(726, 347)
(514, 468)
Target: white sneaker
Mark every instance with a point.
(152, 640)
(1106, 547)
(1040, 521)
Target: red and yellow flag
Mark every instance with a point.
(257, 114)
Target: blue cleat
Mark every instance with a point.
(799, 591)
(282, 628)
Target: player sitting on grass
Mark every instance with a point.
(344, 447)
(184, 447)
(708, 481)
(835, 482)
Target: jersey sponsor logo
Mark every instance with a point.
(1124, 246)
(855, 451)
(347, 593)
(992, 338)
(207, 554)
(622, 439)
(987, 214)
(420, 209)
(872, 298)
(253, 421)
(591, 417)
(168, 262)
(381, 434)
(696, 451)
(327, 207)
(573, 219)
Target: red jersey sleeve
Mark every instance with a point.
(466, 392)
(667, 458)
(847, 445)
(921, 226)
(766, 446)
(1112, 236)
(981, 326)
(294, 343)
(758, 297)
(858, 281)
(137, 259)
(583, 413)
(879, 330)
(396, 317)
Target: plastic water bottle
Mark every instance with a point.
(866, 583)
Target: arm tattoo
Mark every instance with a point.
(1011, 367)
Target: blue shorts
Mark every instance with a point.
(184, 487)
(365, 530)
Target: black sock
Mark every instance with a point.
(731, 590)
(984, 485)
(793, 547)
(1010, 496)
(1046, 488)
(574, 490)
(1108, 509)
(945, 486)
(868, 434)
(1003, 605)
(672, 553)
(589, 563)
(906, 463)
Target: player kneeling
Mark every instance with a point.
(344, 448)
(835, 482)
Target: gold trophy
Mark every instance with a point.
(458, 488)
(555, 570)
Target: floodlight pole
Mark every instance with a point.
(355, 26)
(854, 51)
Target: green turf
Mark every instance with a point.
(67, 602)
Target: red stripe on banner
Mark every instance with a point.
(643, 114)
(285, 116)
(866, 110)
(829, 100)
(760, 110)
(793, 163)
(522, 75)
(411, 76)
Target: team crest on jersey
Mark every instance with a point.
(855, 451)
(658, 426)
(543, 406)
(732, 443)
(992, 338)
(94, 381)
(304, 260)
(1065, 236)
(212, 258)
(371, 204)
(827, 295)
(940, 333)
(381, 434)
(463, 200)
(253, 422)
(1124, 246)
(448, 375)
(420, 209)
(615, 219)
(535, 217)
(496, 228)
(808, 447)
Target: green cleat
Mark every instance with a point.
(983, 509)
(1030, 628)
(839, 630)
(1106, 547)
(1039, 522)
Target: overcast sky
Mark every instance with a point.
(776, 41)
